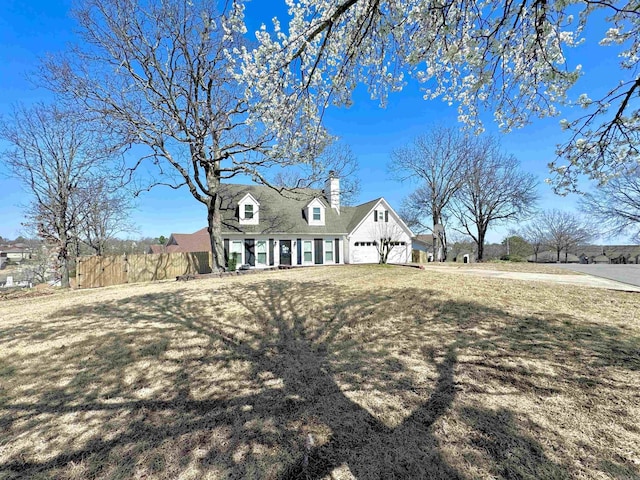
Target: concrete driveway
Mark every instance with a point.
(629, 274)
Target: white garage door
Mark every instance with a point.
(398, 254)
(365, 252)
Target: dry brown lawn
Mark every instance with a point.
(366, 372)
(524, 267)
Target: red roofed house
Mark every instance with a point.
(184, 243)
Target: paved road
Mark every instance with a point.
(620, 273)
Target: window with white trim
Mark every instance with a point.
(261, 252)
(316, 214)
(328, 250)
(307, 251)
(236, 248)
(248, 211)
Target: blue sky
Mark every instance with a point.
(30, 29)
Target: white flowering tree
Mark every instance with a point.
(165, 75)
(504, 57)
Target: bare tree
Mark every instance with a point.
(437, 161)
(460, 243)
(494, 191)
(105, 214)
(388, 236)
(38, 269)
(165, 75)
(563, 231)
(54, 153)
(344, 164)
(615, 206)
(534, 232)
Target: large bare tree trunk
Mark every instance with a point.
(214, 227)
(481, 245)
(214, 218)
(63, 260)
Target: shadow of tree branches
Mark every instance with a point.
(281, 379)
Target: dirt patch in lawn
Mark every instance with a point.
(365, 372)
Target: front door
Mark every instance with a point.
(285, 252)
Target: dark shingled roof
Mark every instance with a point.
(285, 213)
(189, 242)
(358, 212)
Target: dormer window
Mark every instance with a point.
(315, 212)
(248, 210)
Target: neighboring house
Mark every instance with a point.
(551, 256)
(305, 227)
(156, 248)
(16, 252)
(184, 243)
(603, 254)
(422, 248)
(424, 243)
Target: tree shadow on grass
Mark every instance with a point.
(514, 453)
(279, 379)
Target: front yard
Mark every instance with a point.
(332, 372)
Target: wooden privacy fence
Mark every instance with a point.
(118, 269)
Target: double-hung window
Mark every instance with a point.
(236, 249)
(248, 211)
(328, 250)
(261, 252)
(307, 250)
(316, 214)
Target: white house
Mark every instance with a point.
(263, 228)
(375, 226)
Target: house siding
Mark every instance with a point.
(319, 248)
(283, 226)
(374, 226)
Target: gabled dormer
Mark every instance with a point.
(315, 212)
(248, 210)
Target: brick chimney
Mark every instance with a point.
(332, 191)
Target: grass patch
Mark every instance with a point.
(504, 266)
(362, 371)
